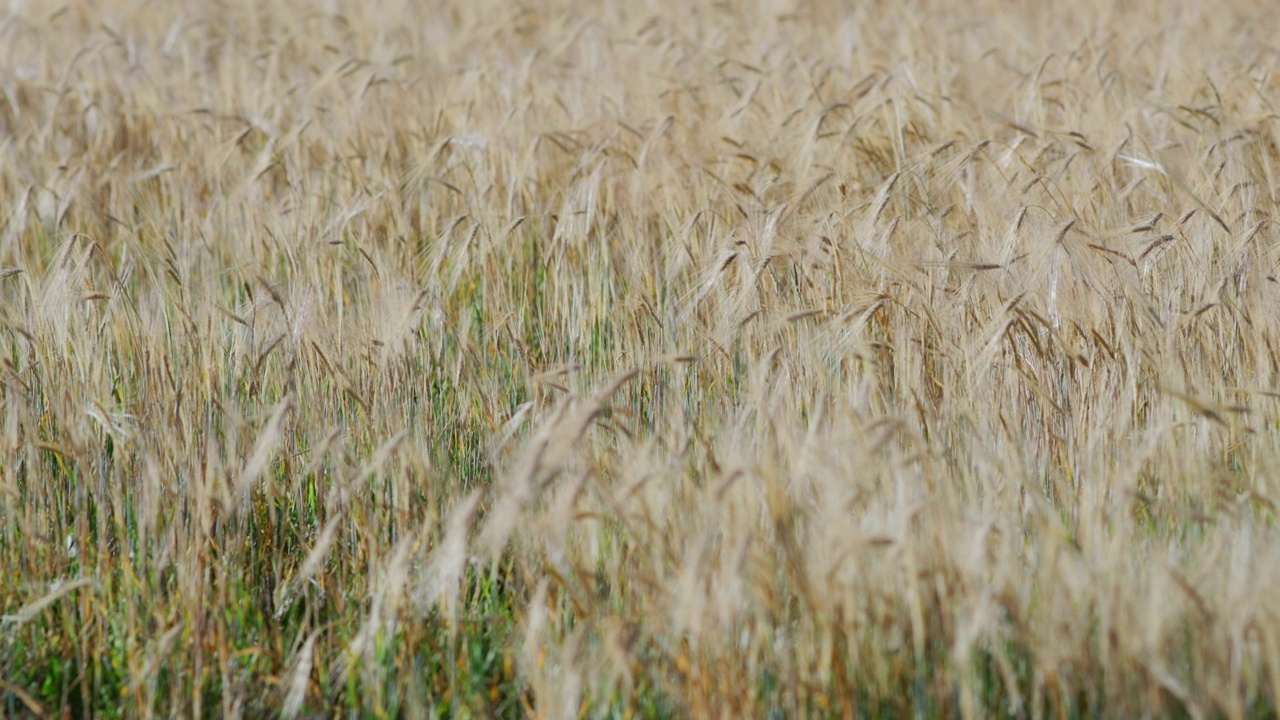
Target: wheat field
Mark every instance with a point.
(639, 360)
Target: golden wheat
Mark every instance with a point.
(778, 359)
